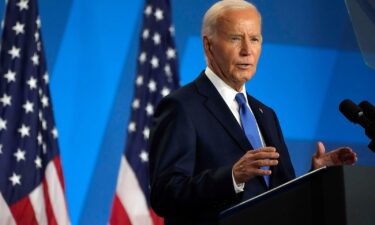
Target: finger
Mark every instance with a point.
(263, 155)
(320, 149)
(265, 162)
(263, 172)
(264, 149)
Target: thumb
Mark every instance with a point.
(320, 149)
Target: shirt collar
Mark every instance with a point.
(226, 91)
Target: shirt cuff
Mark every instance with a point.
(237, 187)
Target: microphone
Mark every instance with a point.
(355, 114)
(368, 109)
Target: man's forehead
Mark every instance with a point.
(234, 16)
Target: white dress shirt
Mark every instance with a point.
(229, 96)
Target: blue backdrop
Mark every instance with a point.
(310, 63)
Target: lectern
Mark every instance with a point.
(343, 195)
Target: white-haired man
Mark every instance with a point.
(213, 145)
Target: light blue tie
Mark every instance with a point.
(249, 125)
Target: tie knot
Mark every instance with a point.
(240, 98)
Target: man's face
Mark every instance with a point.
(233, 51)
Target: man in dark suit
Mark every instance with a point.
(205, 155)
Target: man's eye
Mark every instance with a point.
(235, 38)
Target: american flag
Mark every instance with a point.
(31, 179)
(156, 77)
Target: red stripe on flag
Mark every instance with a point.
(59, 170)
(23, 212)
(118, 214)
(49, 212)
(157, 219)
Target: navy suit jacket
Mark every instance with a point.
(195, 141)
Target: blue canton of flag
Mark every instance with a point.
(156, 77)
(31, 181)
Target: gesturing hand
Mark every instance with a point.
(249, 165)
(339, 156)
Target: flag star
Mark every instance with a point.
(15, 179)
(14, 52)
(44, 147)
(154, 62)
(54, 132)
(146, 133)
(149, 109)
(38, 162)
(144, 156)
(145, 34)
(148, 10)
(142, 57)
(38, 22)
(10, 76)
(37, 36)
(39, 138)
(44, 101)
(35, 59)
(1, 149)
(40, 91)
(158, 14)
(171, 53)
(24, 130)
(32, 82)
(44, 124)
(6, 100)
(132, 127)
(20, 155)
(139, 80)
(152, 86)
(167, 70)
(136, 104)
(171, 30)
(3, 124)
(156, 38)
(165, 91)
(23, 4)
(28, 106)
(19, 28)
(40, 114)
(46, 78)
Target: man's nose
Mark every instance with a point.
(246, 48)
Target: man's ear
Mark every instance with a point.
(207, 45)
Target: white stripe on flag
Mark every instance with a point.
(6, 217)
(56, 195)
(131, 195)
(37, 201)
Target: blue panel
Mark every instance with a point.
(86, 78)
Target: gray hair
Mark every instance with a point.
(213, 13)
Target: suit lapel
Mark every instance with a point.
(261, 119)
(219, 109)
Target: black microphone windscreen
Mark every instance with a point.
(350, 110)
(368, 109)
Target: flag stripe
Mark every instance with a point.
(155, 218)
(57, 162)
(118, 215)
(131, 195)
(36, 199)
(23, 212)
(56, 193)
(50, 215)
(6, 217)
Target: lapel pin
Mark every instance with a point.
(261, 110)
